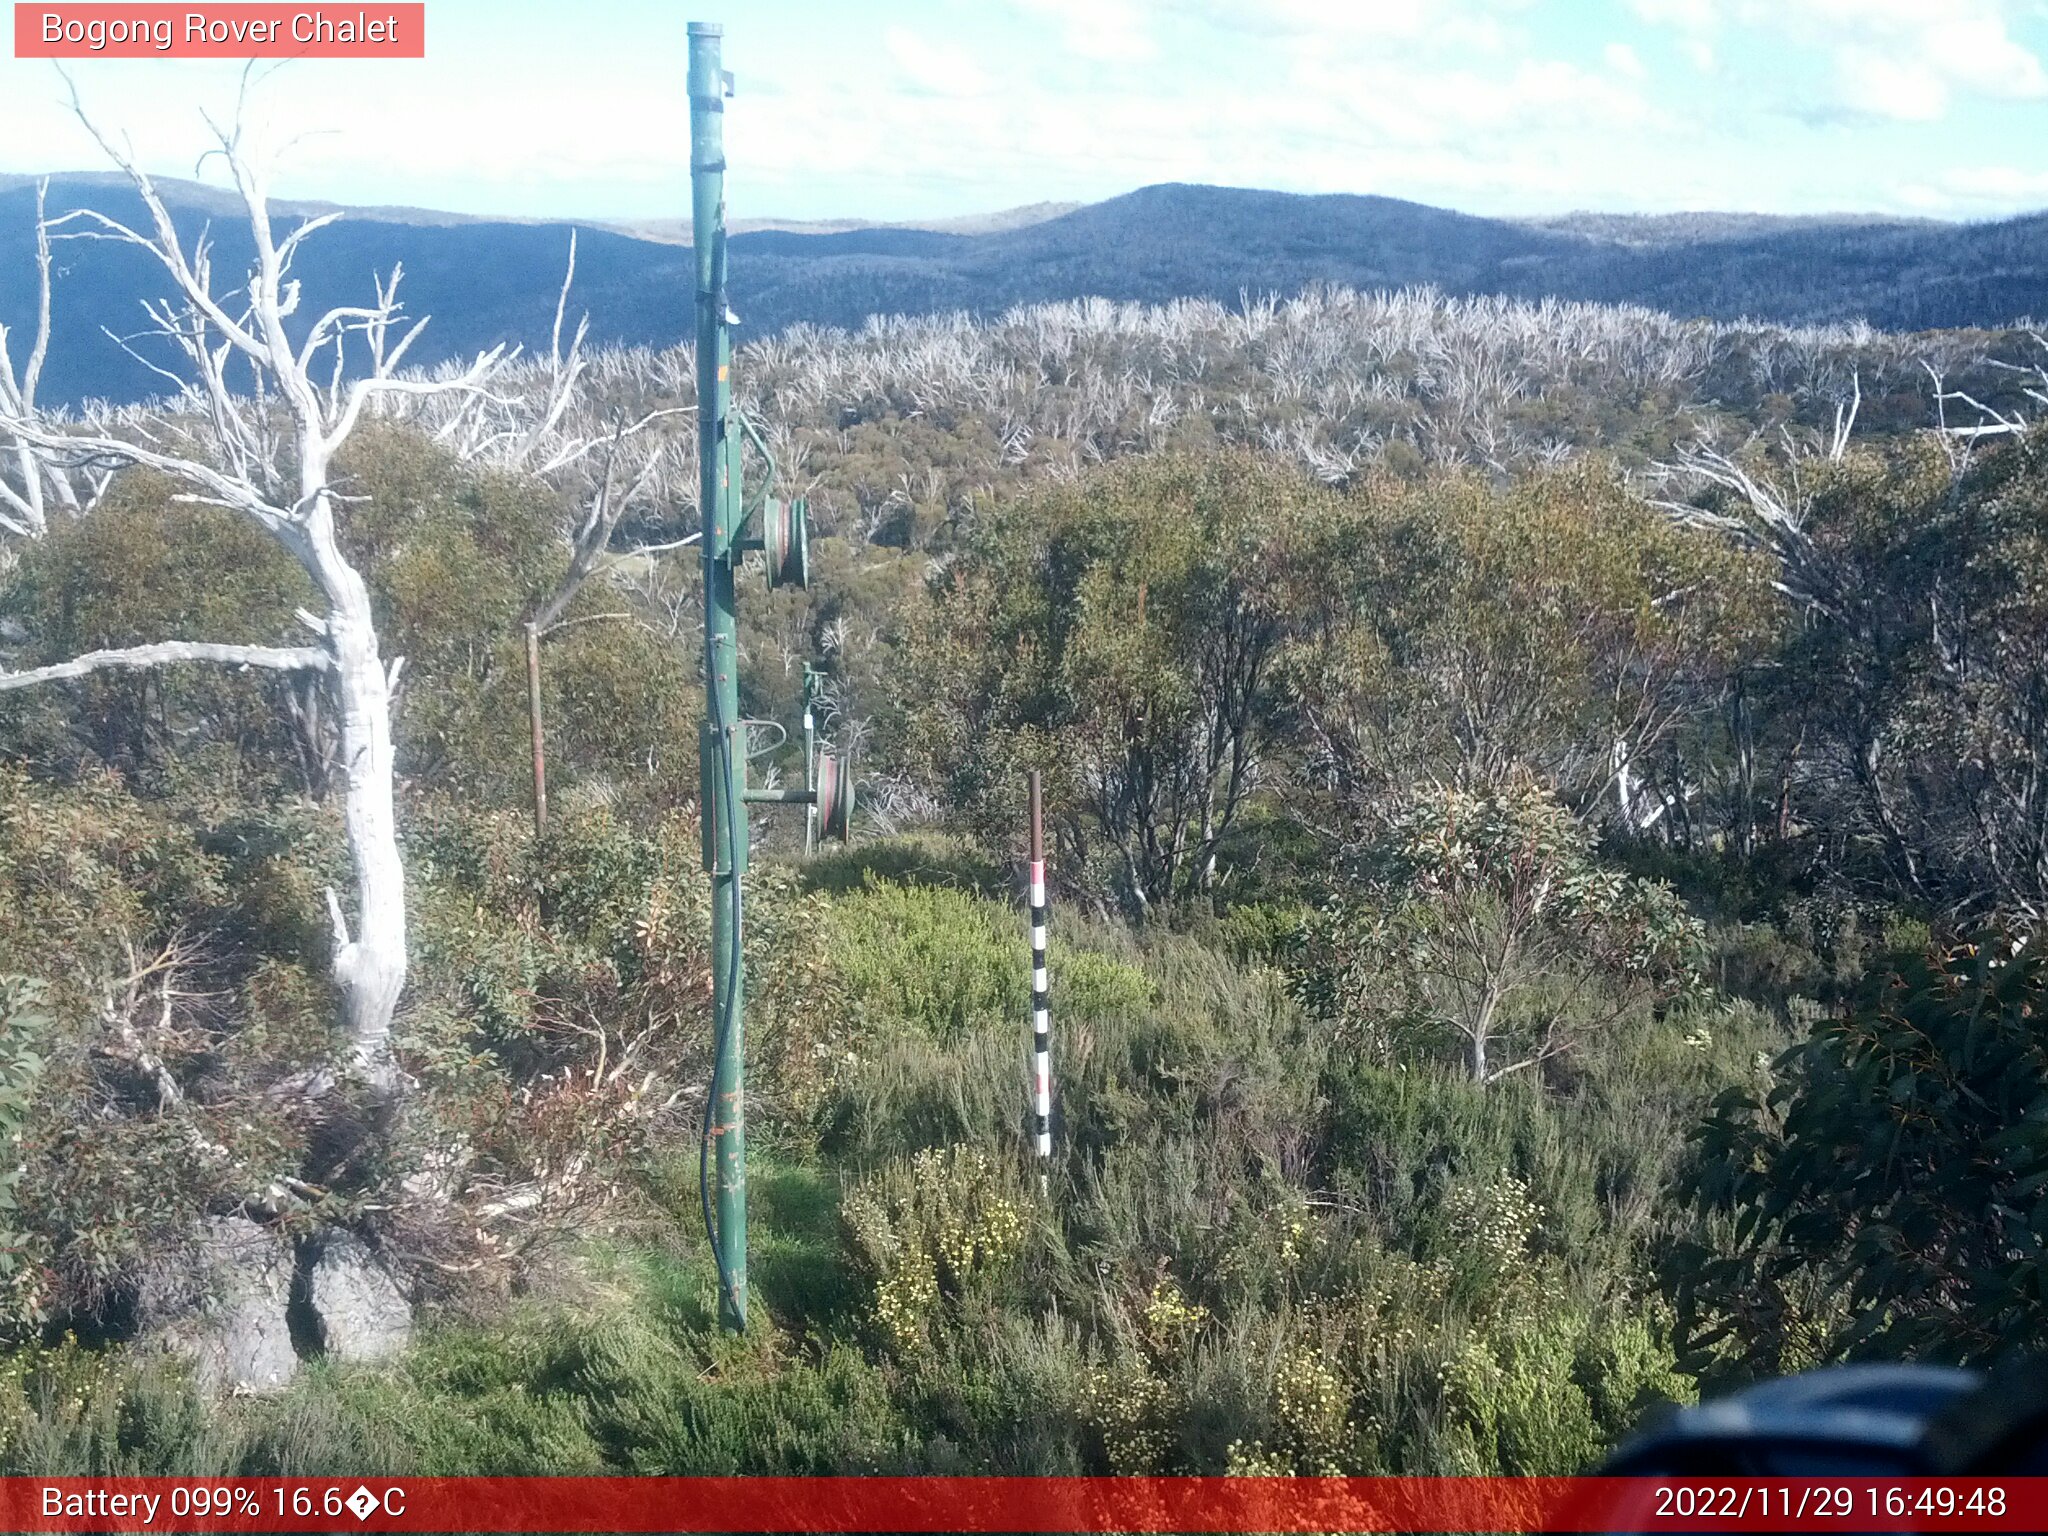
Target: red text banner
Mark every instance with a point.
(1022, 1504)
(237, 31)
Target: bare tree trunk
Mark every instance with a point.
(540, 747)
(1745, 771)
(312, 733)
(370, 968)
(1624, 783)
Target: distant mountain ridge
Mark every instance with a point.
(677, 230)
(487, 281)
(1702, 227)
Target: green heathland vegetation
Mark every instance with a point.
(1522, 952)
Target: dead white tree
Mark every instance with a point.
(30, 485)
(618, 478)
(22, 508)
(1765, 502)
(268, 453)
(1959, 439)
(1763, 506)
(606, 468)
(545, 426)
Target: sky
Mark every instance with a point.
(915, 109)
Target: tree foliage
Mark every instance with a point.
(1121, 634)
(1920, 672)
(1886, 1191)
(22, 1026)
(1559, 625)
(1490, 920)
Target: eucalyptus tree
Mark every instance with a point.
(1121, 632)
(1487, 919)
(1882, 1191)
(1908, 690)
(1465, 633)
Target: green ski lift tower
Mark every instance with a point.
(780, 533)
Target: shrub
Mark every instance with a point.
(562, 1023)
(1489, 921)
(946, 1227)
(22, 1024)
(940, 963)
(927, 858)
(1133, 1410)
(1897, 1161)
(932, 960)
(1260, 933)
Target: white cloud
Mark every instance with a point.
(1696, 22)
(1886, 85)
(1387, 18)
(1899, 59)
(1979, 190)
(1687, 15)
(1437, 25)
(1384, 102)
(1972, 46)
(1906, 59)
(1457, 102)
(936, 68)
(2003, 182)
(1107, 31)
(1624, 60)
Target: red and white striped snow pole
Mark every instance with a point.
(1041, 1002)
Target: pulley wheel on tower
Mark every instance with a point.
(786, 541)
(835, 797)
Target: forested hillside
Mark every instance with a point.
(1534, 791)
(489, 282)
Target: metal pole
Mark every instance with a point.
(810, 760)
(1041, 1001)
(722, 749)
